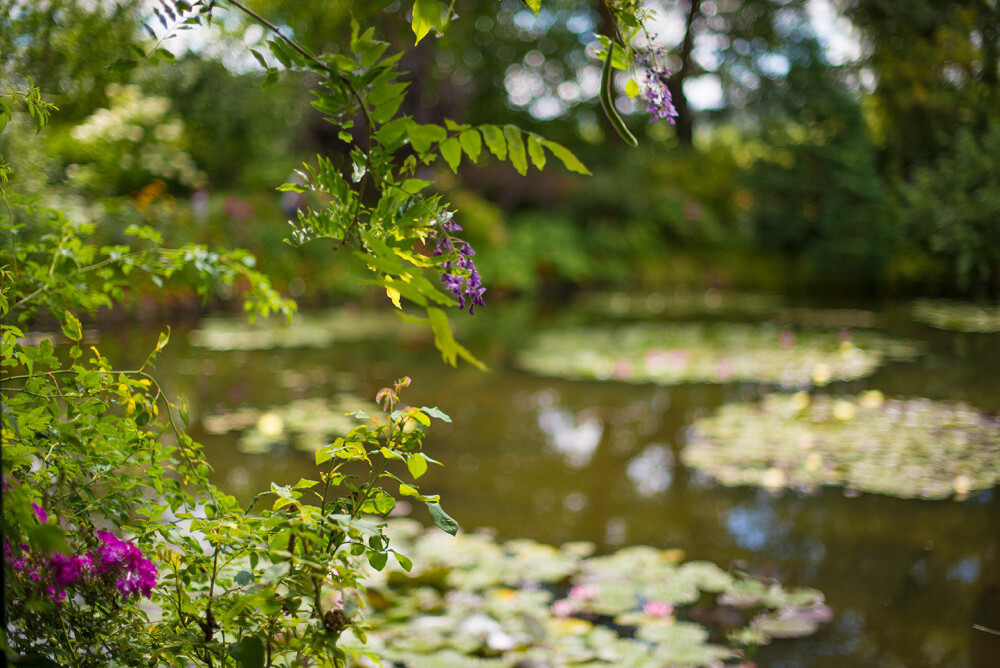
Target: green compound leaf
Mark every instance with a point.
(422, 136)
(515, 145)
(570, 161)
(442, 519)
(451, 151)
(445, 341)
(536, 152)
(472, 144)
(495, 141)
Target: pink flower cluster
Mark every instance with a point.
(115, 560)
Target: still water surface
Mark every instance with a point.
(558, 460)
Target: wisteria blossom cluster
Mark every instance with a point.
(114, 562)
(460, 276)
(660, 103)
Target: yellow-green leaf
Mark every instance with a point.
(427, 14)
(515, 146)
(536, 151)
(451, 151)
(472, 144)
(570, 161)
(495, 141)
(417, 465)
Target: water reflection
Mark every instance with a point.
(573, 436)
(652, 470)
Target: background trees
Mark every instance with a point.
(782, 154)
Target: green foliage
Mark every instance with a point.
(98, 446)
(95, 455)
(952, 206)
(817, 195)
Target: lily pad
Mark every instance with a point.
(680, 303)
(712, 353)
(576, 609)
(685, 304)
(909, 448)
(305, 424)
(963, 317)
(307, 330)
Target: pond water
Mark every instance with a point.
(559, 460)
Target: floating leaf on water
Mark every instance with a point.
(309, 330)
(963, 317)
(913, 448)
(306, 424)
(494, 616)
(711, 353)
(786, 624)
(707, 576)
(679, 303)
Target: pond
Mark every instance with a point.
(571, 457)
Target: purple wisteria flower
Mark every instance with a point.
(460, 278)
(655, 91)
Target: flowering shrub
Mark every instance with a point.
(114, 563)
(99, 451)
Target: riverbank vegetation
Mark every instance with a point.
(431, 158)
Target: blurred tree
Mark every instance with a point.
(936, 72)
(937, 108)
(817, 195)
(952, 207)
(738, 43)
(65, 47)
(236, 134)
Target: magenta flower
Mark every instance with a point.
(66, 570)
(40, 513)
(135, 574)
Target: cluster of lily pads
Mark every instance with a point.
(304, 424)
(473, 601)
(909, 448)
(684, 304)
(680, 303)
(671, 353)
(310, 330)
(959, 316)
